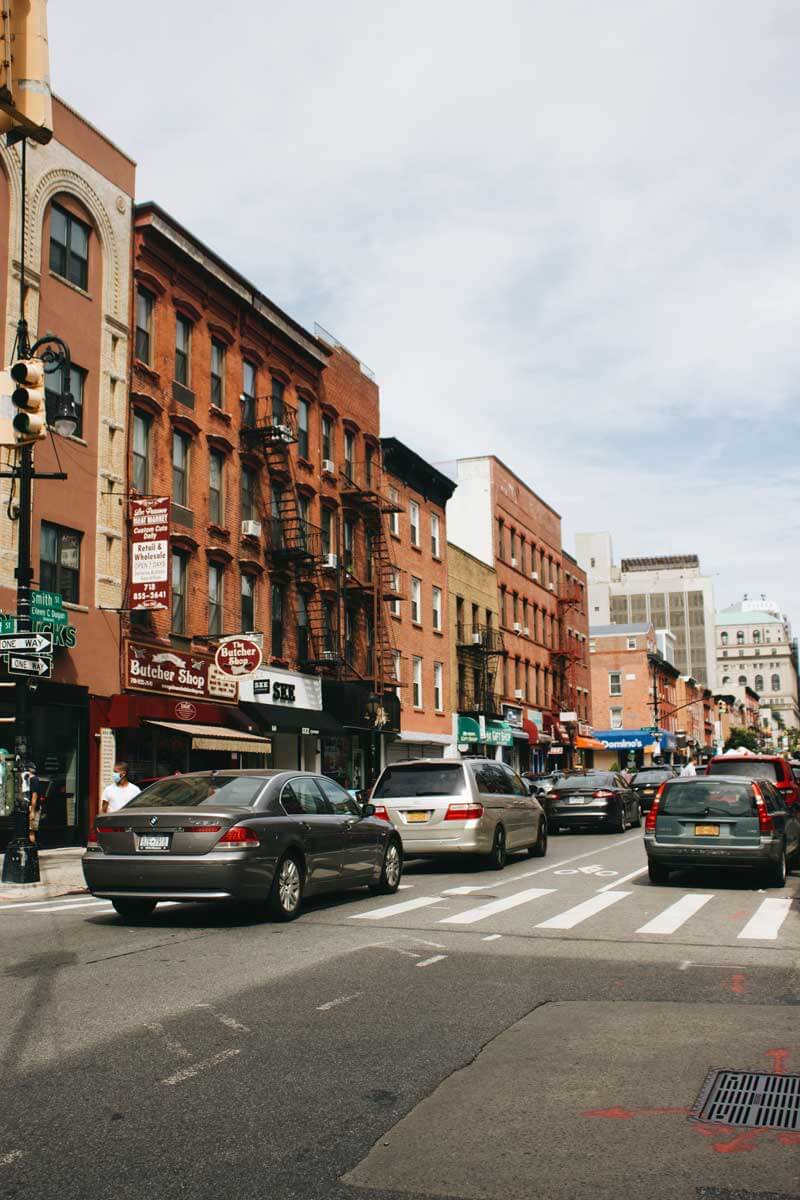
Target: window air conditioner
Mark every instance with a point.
(329, 562)
(328, 466)
(477, 638)
(517, 627)
(251, 529)
(526, 631)
(513, 562)
(518, 694)
(534, 574)
(552, 587)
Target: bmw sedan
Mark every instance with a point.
(598, 800)
(265, 837)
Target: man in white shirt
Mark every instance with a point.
(120, 791)
(689, 770)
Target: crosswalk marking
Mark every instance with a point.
(63, 900)
(676, 915)
(766, 921)
(395, 910)
(495, 906)
(68, 908)
(582, 912)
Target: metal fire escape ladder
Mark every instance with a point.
(479, 649)
(568, 655)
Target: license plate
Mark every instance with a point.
(575, 800)
(706, 831)
(154, 841)
(417, 816)
(648, 791)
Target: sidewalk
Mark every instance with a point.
(60, 872)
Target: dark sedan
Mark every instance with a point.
(265, 837)
(596, 799)
(646, 784)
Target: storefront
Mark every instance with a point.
(482, 737)
(368, 725)
(287, 707)
(633, 749)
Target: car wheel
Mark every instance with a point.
(134, 910)
(287, 890)
(496, 859)
(617, 823)
(657, 872)
(777, 872)
(637, 824)
(539, 847)
(391, 871)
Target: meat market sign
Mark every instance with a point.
(149, 553)
(238, 656)
(150, 669)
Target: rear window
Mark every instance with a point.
(178, 792)
(706, 798)
(587, 783)
(745, 768)
(400, 781)
(651, 776)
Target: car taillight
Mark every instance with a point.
(109, 828)
(765, 822)
(650, 819)
(602, 795)
(463, 811)
(382, 813)
(239, 837)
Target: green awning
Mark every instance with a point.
(498, 733)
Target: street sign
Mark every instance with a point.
(38, 643)
(48, 606)
(32, 664)
(239, 656)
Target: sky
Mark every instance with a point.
(560, 232)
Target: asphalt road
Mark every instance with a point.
(451, 1040)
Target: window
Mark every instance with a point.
(615, 683)
(180, 468)
(60, 561)
(216, 586)
(369, 455)
(437, 608)
(723, 637)
(776, 683)
(144, 325)
(436, 542)
(349, 635)
(216, 499)
(278, 389)
(302, 427)
(756, 636)
(69, 247)
(631, 643)
(248, 599)
(327, 437)
(327, 531)
(248, 496)
(77, 380)
(179, 562)
(413, 522)
(726, 679)
(140, 454)
(417, 681)
(349, 537)
(394, 516)
(416, 599)
(349, 448)
(302, 796)
(397, 661)
(340, 801)
(501, 538)
(438, 694)
(394, 602)
(217, 374)
(615, 718)
(740, 637)
(183, 348)
(277, 620)
(248, 393)
(303, 641)
(758, 683)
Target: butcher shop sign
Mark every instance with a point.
(238, 656)
(150, 669)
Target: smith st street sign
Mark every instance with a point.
(36, 643)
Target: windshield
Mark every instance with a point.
(423, 780)
(745, 768)
(223, 791)
(587, 783)
(651, 776)
(707, 798)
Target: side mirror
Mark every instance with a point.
(368, 810)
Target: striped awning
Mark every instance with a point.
(212, 737)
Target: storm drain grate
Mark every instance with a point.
(750, 1098)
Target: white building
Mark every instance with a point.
(668, 591)
(755, 649)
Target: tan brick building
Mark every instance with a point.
(80, 191)
(634, 691)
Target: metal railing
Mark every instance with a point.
(484, 639)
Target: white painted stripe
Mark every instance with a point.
(491, 937)
(335, 1003)
(428, 962)
(394, 910)
(404, 887)
(65, 901)
(465, 891)
(196, 1068)
(609, 887)
(676, 915)
(9, 1157)
(582, 912)
(495, 906)
(72, 907)
(767, 920)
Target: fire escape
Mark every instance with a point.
(569, 654)
(479, 649)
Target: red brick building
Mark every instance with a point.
(420, 608)
(499, 519)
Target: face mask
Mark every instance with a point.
(117, 777)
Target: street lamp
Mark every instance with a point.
(65, 418)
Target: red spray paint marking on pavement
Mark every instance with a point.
(779, 1060)
(741, 1143)
(627, 1114)
(737, 984)
(788, 1139)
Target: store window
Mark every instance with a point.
(60, 561)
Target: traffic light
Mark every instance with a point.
(30, 423)
(723, 708)
(26, 102)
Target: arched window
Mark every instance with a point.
(723, 637)
(740, 637)
(726, 679)
(758, 683)
(756, 636)
(776, 683)
(742, 681)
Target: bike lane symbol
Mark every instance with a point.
(594, 869)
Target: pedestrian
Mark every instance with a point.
(35, 801)
(689, 768)
(120, 791)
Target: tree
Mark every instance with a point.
(742, 739)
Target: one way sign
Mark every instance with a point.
(33, 643)
(33, 664)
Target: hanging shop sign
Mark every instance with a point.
(238, 656)
(489, 733)
(149, 669)
(512, 715)
(288, 688)
(149, 553)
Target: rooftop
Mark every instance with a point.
(735, 616)
(618, 630)
(668, 562)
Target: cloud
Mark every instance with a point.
(566, 234)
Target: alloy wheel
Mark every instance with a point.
(289, 885)
(392, 865)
